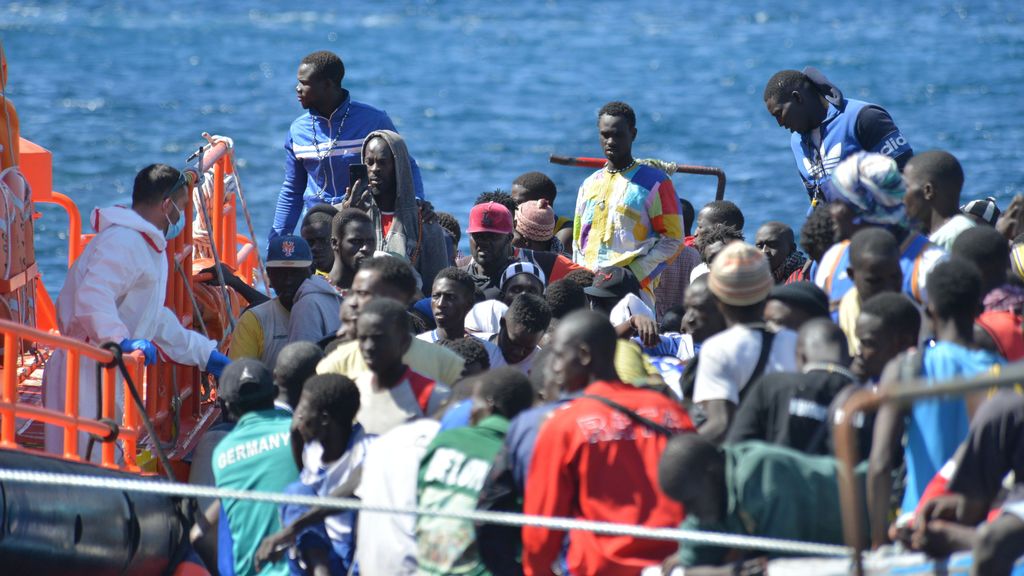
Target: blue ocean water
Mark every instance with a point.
(484, 91)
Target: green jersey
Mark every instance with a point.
(452, 473)
(256, 455)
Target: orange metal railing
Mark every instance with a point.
(871, 399)
(173, 393)
(128, 431)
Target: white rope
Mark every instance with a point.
(500, 518)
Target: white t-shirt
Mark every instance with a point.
(387, 542)
(929, 258)
(698, 271)
(948, 232)
(334, 474)
(497, 360)
(728, 359)
(493, 352)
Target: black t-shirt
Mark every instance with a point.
(873, 126)
(994, 446)
(790, 409)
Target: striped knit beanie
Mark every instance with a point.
(517, 268)
(872, 185)
(536, 220)
(740, 275)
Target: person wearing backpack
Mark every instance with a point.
(596, 458)
(740, 279)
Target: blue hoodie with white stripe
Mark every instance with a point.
(318, 152)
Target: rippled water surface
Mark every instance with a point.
(484, 91)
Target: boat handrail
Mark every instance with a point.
(870, 399)
(174, 394)
(127, 431)
(679, 168)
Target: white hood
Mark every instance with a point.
(103, 218)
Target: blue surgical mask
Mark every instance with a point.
(174, 228)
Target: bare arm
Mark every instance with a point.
(274, 546)
(889, 426)
(719, 415)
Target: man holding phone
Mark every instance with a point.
(383, 186)
(324, 141)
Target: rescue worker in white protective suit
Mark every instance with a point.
(115, 293)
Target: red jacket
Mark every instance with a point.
(592, 462)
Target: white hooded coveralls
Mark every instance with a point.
(116, 290)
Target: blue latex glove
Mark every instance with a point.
(129, 345)
(217, 363)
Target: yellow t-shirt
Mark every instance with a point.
(849, 310)
(431, 360)
(634, 367)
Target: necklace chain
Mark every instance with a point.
(611, 170)
(320, 156)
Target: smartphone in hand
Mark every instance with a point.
(357, 172)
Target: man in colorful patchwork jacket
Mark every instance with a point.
(627, 213)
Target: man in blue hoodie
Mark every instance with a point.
(828, 127)
(324, 141)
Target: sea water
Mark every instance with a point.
(484, 91)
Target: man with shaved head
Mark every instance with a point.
(775, 240)
(791, 409)
(934, 180)
(578, 466)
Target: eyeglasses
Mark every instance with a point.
(182, 181)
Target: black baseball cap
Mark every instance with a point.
(803, 295)
(613, 282)
(246, 380)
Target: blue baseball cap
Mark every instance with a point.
(289, 252)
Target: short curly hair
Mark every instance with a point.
(393, 271)
(564, 296)
(583, 277)
(321, 212)
(531, 312)
(333, 394)
(508, 390)
(470, 349)
(539, 183)
(723, 233)
(326, 65)
(451, 224)
(951, 285)
(345, 217)
(499, 196)
(896, 311)
(461, 278)
(818, 233)
(782, 84)
(619, 109)
(724, 212)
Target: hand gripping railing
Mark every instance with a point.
(868, 400)
(126, 431)
(679, 168)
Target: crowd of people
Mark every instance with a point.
(605, 365)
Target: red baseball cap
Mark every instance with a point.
(490, 217)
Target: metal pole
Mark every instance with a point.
(213, 246)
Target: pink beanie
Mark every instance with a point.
(536, 220)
